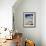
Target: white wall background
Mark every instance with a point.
(30, 33)
(37, 34)
(43, 22)
(6, 13)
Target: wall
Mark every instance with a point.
(6, 13)
(43, 22)
(6, 16)
(28, 6)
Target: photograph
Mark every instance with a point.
(29, 19)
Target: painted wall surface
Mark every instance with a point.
(6, 13)
(28, 6)
(43, 22)
(38, 33)
(6, 16)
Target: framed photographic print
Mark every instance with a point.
(29, 19)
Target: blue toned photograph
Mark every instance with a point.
(29, 19)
